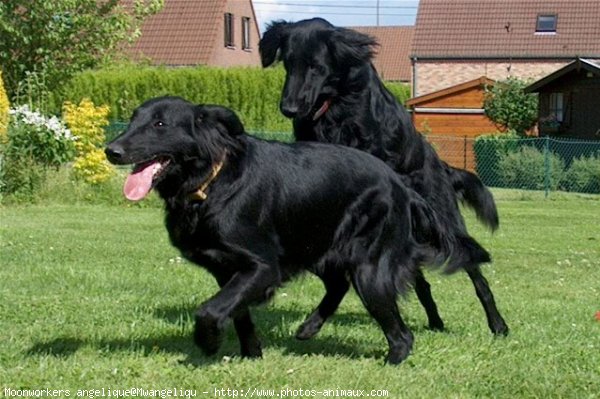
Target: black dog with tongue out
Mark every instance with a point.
(256, 213)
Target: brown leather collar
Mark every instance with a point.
(200, 194)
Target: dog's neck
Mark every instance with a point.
(200, 193)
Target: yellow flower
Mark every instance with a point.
(4, 106)
(87, 123)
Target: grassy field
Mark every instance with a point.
(94, 297)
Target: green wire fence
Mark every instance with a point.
(545, 164)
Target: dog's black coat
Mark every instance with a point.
(334, 95)
(275, 210)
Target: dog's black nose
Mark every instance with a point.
(114, 153)
(289, 110)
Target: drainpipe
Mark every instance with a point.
(413, 61)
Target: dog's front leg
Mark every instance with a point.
(244, 288)
(244, 327)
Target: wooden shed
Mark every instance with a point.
(569, 103)
(452, 118)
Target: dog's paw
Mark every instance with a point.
(500, 330)
(436, 325)
(207, 334)
(252, 350)
(309, 329)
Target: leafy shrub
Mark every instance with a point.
(87, 122)
(33, 144)
(93, 167)
(527, 168)
(59, 38)
(488, 150)
(583, 175)
(507, 104)
(399, 90)
(45, 139)
(20, 177)
(4, 105)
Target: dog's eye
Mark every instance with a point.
(159, 124)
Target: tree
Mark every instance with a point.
(53, 40)
(507, 105)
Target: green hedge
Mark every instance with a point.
(545, 163)
(584, 175)
(530, 169)
(254, 93)
(489, 149)
(400, 90)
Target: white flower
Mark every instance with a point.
(23, 114)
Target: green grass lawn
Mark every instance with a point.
(95, 297)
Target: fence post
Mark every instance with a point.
(465, 153)
(547, 166)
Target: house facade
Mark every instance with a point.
(461, 40)
(220, 33)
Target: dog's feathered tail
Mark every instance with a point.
(440, 246)
(473, 193)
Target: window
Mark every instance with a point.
(557, 107)
(546, 24)
(229, 30)
(245, 33)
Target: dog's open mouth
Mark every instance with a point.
(143, 177)
(322, 109)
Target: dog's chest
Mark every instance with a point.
(188, 231)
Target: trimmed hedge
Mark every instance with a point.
(584, 175)
(538, 163)
(254, 93)
(489, 149)
(530, 169)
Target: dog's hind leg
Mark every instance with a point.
(379, 298)
(423, 290)
(336, 285)
(484, 293)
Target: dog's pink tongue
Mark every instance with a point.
(139, 183)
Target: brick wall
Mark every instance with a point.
(433, 75)
(228, 56)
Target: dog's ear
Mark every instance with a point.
(350, 47)
(271, 42)
(217, 114)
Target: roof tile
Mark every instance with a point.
(182, 33)
(392, 60)
(506, 28)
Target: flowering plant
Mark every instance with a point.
(46, 139)
(87, 121)
(4, 105)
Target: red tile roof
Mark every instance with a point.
(506, 28)
(392, 60)
(183, 33)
